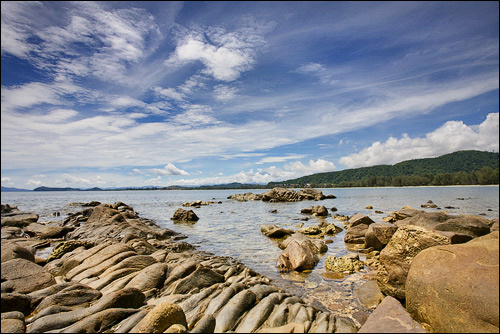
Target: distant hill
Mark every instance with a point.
(9, 189)
(65, 189)
(462, 167)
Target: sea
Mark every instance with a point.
(231, 228)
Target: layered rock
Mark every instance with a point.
(357, 228)
(396, 258)
(454, 288)
(123, 281)
(279, 194)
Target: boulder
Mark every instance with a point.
(395, 259)
(312, 194)
(405, 212)
(273, 231)
(390, 317)
(185, 215)
(378, 235)
(11, 250)
(16, 302)
(474, 226)
(279, 194)
(356, 234)
(368, 294)
(24, 276)
(349, 263)
(298, 255)
(318, 210)
(13, 326)
(246, 197)
(359, 219)
(455, 288)
(20, 220)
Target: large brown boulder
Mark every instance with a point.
(390, 317)
(23, 276)
(318, 210)
(455, 288)
(273, 231)
(20, 220)
(396, 258)
(378, 235)
(473, 226)
(298, 255)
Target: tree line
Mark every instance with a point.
(484, 176)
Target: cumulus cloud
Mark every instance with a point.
(291, 170)
(450, 137)
(225, 55)
(169, 169)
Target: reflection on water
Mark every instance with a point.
(232, 228)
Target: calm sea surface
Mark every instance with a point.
(233, 228)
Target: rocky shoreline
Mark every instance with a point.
(109, 270)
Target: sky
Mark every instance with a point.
(122, 93)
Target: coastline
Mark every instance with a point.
(174, 245)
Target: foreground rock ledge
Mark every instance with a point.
(121, 273)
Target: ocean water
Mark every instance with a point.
(232, 228)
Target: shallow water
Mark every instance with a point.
(233, 228)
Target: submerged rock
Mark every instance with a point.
(349, 263)
(185, 215)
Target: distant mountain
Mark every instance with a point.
(65, 189)
(8, 189)
(462, 167)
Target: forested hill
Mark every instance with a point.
(462, 167)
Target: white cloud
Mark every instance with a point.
(169, 169)
(225, 55)
(35, 183)
(224, 93)
(137, 171)
(280, 159)
(169, 93)
(264, 175)
(450, 137)
(6, 179)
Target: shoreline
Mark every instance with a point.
(172, 242)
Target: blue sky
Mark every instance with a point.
(122, 93)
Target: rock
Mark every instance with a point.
(125, 298)
(205, 325)
(279, 194)
(474, 226)
(16, 302)
(311, 194)
(358, 219)
(395, 259)
(13, 315)
(378, 235)
(298, 255)
(310, 230)
(13, 326)
(7, 208)
(494, 225)
(368, 294)
(343, 264)
(176, 328)
(202, 277)
(226, 319)
(99, 322)
(185, 215)
(369, 207)
(23, 276)
(293, 327)
(20, 220)
(356, 234)
(246, 197)
(429, 204)
(258, 314)
(160, 318)
(150, 277)
(405, 212)
(318, 210)
(11, 250)
(273, 231)
(75, 294)
(390, 317)
(455, 288)
(66, 247)
(51, 232)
